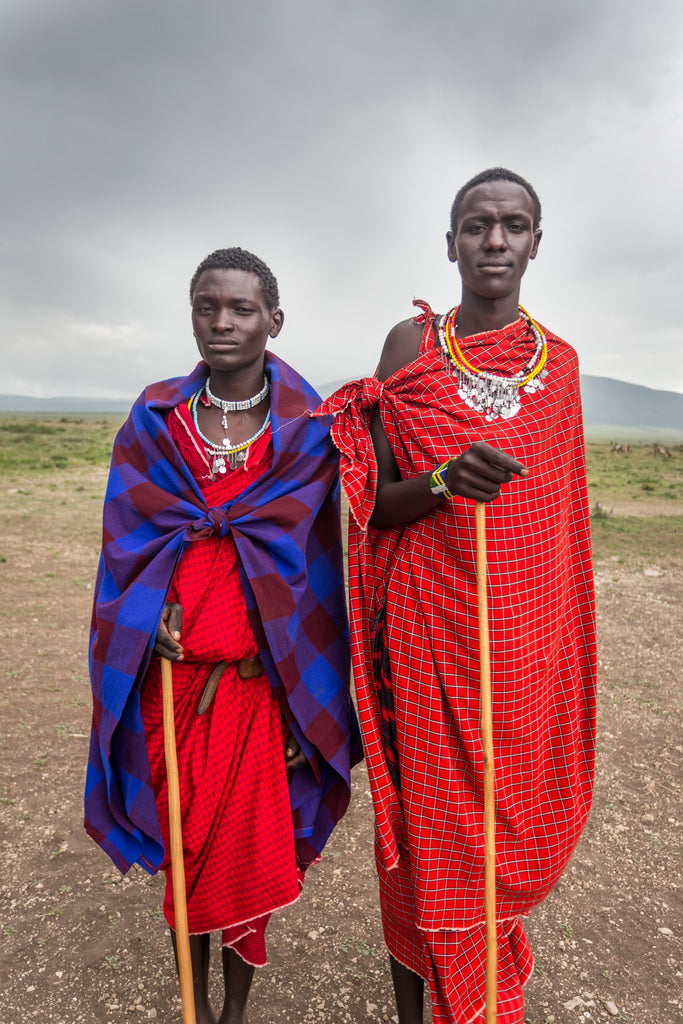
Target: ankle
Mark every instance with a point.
(204, 1015)
(233, 1016)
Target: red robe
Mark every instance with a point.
(429, 835)
(238, 833)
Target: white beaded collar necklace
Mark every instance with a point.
(246, 403)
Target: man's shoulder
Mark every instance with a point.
(550, 335)
(400, 348)
(164, 394)
(562, 363)
(296, 393)
(557, 344)
(404, 333)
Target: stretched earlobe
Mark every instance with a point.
(279, 318)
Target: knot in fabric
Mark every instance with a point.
(214, 522)
(371, 391)
(356, 395)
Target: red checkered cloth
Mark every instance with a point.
(422, 579)
(238, 833)
(453, 962)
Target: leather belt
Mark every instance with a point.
(246, 668)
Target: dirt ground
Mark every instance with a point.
(79, 943)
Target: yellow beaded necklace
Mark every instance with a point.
(491, 393)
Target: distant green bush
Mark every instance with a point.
(29, 427)
(599, 511)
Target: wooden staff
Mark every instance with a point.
(489, 781)
(182, 935)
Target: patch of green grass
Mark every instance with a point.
(358, 945)
(633, 472)
(36, 446)
(30, 427)
(156, 915)
(114, 962)
(639, 538)
(355, 972)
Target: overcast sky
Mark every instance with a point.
(329, 137)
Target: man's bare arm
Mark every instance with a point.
(478, 473)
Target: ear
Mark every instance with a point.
(537, 241)
(450, 240)
(277, 320)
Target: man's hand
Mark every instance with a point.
(168, 634)
(480, 472)
(294, 755)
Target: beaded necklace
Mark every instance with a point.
(491, 393)
(236, 454)
(246, 403)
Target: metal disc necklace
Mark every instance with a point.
(494, 394)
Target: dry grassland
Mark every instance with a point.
(79, 943)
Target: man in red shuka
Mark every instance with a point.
(480, 404)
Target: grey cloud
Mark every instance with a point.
(330, 138)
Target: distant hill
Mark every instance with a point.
(25, 403)
(612, 408)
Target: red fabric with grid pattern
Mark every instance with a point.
(453, 962)
(238, 834)
(430, 843)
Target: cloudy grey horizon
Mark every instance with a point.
(329, 138)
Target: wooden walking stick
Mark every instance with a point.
(182, 936)
(489, 782)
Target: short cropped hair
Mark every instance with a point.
(495, 174)
(239, 259)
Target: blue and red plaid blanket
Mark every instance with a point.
(286, 527)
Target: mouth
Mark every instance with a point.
(221, 345)
(494, 266)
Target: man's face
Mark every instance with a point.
(495, 238)
(231, 319)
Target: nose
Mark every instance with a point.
(495, 237)
(222, 320)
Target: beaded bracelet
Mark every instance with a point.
(437, 481)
